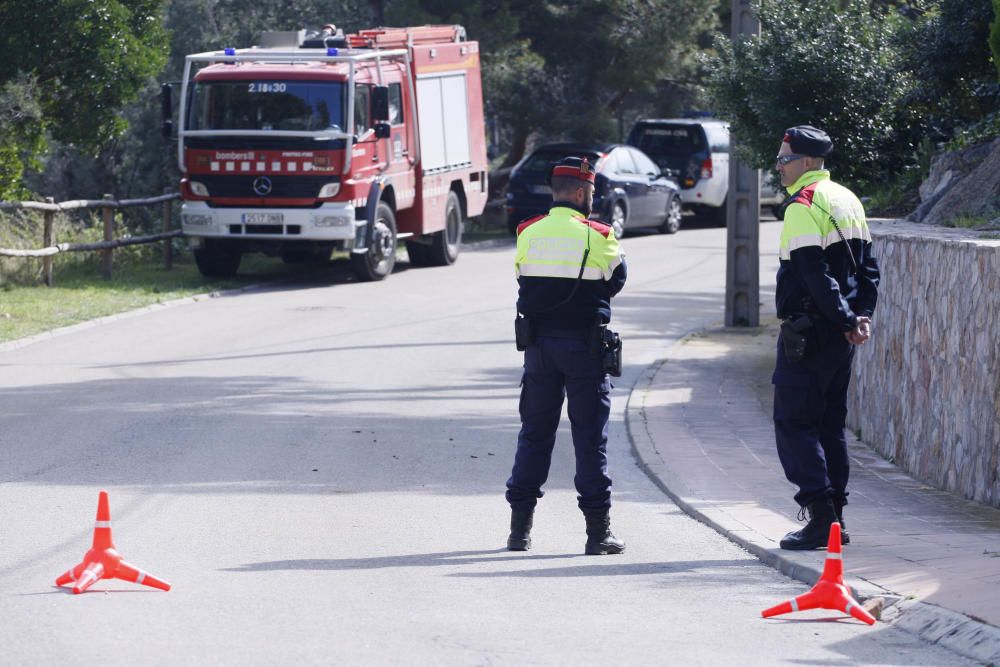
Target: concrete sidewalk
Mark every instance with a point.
(700, 425)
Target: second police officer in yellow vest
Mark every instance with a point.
(826, 294)
(568, 268)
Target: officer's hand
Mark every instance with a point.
(860, 334)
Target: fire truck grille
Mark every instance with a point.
(281, 187)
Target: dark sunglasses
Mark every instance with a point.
(782, 160)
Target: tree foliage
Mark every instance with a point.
(573, 68)
(21, 137)
(67, 67)
(883, 77)
(995, 37)
(946, 53)
(811, 64)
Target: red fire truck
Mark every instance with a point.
(312, 142)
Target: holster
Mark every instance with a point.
(608, 345)
(794, 339)
(524, 332)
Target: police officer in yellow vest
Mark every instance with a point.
(568, 268)
(826, 294)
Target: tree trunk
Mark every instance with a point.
(517, 145)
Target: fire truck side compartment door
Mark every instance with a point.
(444, 121)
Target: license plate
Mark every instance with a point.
(263, 218)
(540, 189)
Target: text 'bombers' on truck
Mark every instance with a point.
(315, 142)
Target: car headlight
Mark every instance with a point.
(198, 188)
(329, 190)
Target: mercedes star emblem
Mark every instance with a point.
(262, 185)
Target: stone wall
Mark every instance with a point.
(926, 388)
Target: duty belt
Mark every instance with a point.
(557, 332)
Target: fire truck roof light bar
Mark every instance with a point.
(318, 135)
(300, 55)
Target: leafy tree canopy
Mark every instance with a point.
(811, 64)
(884, 77)
(67, 67)
(570, 68)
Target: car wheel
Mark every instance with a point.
(619, 216)
(673, 221)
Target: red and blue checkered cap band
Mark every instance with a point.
(584, 172)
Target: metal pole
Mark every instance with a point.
(743, 214)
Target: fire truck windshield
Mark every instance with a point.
(308, 106)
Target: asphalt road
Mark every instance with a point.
(318, 469)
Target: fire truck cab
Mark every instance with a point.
(315, 142)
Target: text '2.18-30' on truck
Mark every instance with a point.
(309, 143)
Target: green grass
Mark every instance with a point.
(80, 293)
(967, 221)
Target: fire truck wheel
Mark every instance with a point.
(378, 262)
(445, 244)
(217, 259)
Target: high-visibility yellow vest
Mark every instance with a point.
(809, 219)
(553, 246)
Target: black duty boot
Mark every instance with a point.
(600, 539)
(520, 530)
(816, 532)
(839, 509)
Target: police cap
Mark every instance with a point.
(808, 140)
(574, 167)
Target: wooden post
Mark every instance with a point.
(47, 241)
(168, 223)
(109, 234)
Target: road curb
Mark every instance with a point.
(964, 635)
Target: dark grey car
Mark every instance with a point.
(630, 191)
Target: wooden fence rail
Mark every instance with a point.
(108, 206)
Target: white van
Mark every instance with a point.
(695, 153)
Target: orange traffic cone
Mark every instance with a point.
(102, 561)
(830, 591)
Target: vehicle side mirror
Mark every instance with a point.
(382, 130)
(167, 110)
(652, 175)
(380, 103)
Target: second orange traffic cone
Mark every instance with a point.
(102, 561)
(830, 592)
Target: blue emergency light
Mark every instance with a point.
(230, 51)
(331, 51)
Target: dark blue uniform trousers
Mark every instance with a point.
(810, 409)
(553, 368)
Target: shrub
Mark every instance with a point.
(812, 65)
